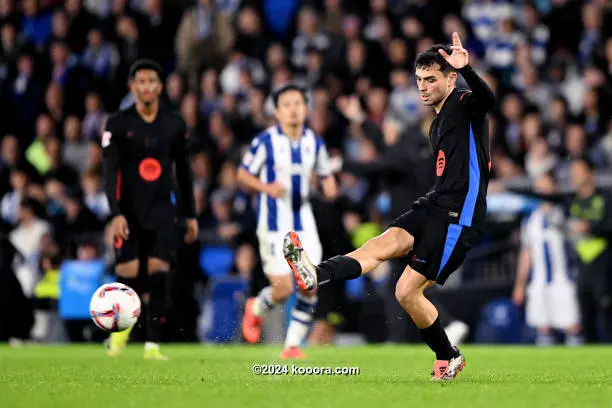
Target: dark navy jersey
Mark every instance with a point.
(138, 166)
(459, 137)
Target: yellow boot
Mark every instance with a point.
(117, 342)
(152, 352)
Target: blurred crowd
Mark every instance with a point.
(64, 64)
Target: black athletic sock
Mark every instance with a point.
(438, 342)
(158, 305)
(338, 268)
(131, 282)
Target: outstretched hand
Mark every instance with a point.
(459, 56)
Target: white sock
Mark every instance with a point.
(42, 319)
(301, 318)
(573, 340)
(263, 302)
(545, 340)
(150, 345)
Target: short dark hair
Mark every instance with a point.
(584, 158)
(286, 88)
(145, 64)
(430, 57)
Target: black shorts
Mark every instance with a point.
(440, 246)
(147, 243)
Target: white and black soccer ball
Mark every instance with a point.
(115, 307)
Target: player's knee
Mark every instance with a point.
(127, 269)
(407, 295)
(281, 290)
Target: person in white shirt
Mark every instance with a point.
(26, 239)
(545, 276)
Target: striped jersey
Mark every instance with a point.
(542, 233)
(274, 157)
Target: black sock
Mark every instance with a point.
(338, 268)
(131, 282)
(158, 305)
(438, 342)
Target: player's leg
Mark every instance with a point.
(393, 243)
(565, 312)
(538, 313)
(410, 294)
(160, 245)
(158, 270)
(302, 314)
(280, 288)
(126, 271)
(440, 250)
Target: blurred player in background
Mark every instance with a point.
(141, 144)
(545, 279)
(589, 228)
(279, 166)
(444, 224)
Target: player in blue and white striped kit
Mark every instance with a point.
(280, 166)
(545, 277)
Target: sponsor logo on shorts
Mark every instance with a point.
(416, 259)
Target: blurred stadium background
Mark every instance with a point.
(63, 69)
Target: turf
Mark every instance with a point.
(219, 376)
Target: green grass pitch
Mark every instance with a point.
(220, 376)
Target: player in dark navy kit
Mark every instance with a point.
(141, 145)
(444, 224)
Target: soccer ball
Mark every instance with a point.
(115, 307)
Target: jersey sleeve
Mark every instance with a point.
(111, 152)
(525, 241)
(255, 157)
(479, 99)
(322, 167)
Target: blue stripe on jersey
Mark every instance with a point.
(452, 237)
(547, 258)
(271, 201)
(296, 187)
(467, 213)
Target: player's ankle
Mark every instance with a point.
(149, 345)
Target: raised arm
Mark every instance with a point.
(480, 99)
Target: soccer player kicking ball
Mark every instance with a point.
(443, 225)
(280, 166)
(141, 144)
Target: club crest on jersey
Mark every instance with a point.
(150, 169)
(440, 163)
(106, 138)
